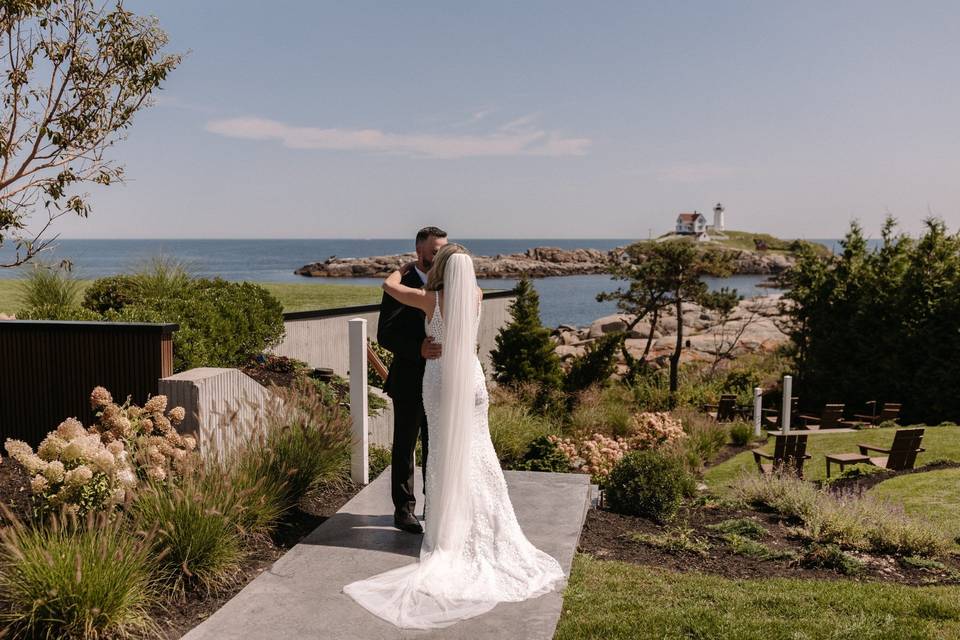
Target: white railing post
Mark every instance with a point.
(787, 404)
(757, 410)
(359, 450)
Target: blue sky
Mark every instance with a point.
(541, 119)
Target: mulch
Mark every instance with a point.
(15, 491)
(608, 536)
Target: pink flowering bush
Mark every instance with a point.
(650, 430)
(598, 454)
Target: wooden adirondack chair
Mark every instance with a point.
(725, 410)
(789, 452)
(771, 417)
(889, 411)
(901, 455)
(830, 418)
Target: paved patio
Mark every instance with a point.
(299, 597)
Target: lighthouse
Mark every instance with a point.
(718, 217)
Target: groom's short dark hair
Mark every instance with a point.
(430, 232)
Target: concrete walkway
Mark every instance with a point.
(299, 597)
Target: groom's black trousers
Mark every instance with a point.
(409, 421)
(401, 330)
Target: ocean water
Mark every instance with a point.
(563, 300)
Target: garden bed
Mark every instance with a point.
(610, 536)
(314, 510)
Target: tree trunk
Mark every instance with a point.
(675, 356)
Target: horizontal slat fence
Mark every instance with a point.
(48, 368)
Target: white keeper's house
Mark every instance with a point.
(692, 224)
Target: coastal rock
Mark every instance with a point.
(538, 262)
(756, 320)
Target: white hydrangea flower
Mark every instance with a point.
(79, 476)
(127, 478)
(54, 471)
(17, 448)
(104, 461)
(51, 447)
(70, 428)
(39, 484)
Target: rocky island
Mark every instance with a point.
(539, 262)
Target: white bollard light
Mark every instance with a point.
(757, 410)
(359, 449)
(787, 404)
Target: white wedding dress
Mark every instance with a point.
(474, 554)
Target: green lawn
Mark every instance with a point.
(295, 296)
(615, 600)
(940, 443)
(933, 496)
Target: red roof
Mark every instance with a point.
(689, 217)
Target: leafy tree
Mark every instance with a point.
(524, 351)
(665, 274)
(879, 324)
(596, 365)
(75, 75)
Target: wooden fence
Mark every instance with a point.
(48, 368)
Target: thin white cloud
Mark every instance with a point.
(517, 138)
(695, 172)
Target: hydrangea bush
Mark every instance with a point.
(598, 454)
(157, 448)
(81, 469)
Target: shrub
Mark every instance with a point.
(607, 410)
(199, 540)
(386, 357)
(76, 580)
(830, 556)
(112, 292)
(740, 433)
(380, 458)
(544, 454)
(704, 439)
(45, 286)
(750, 548)
(848, 520)
(160, 277)
(596, 365)
(512, 429)
(595, 455)
(675, 540)
(302, 443)
(649, 484)
(75, 470)
(524, 351)
(652, 430)
(744, 527)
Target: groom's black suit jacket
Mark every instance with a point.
(401, 331)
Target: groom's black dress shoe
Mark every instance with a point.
(407, 522)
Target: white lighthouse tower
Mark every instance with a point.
(718, 218)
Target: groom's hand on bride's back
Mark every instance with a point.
(430, 350)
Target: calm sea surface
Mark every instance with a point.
(570, 300)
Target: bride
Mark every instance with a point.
(473, 554)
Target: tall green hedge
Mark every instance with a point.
(880, 324)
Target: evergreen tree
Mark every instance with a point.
(524, 351)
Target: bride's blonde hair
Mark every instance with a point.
(435, 276)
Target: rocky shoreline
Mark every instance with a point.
(539, 262)
(754, 326)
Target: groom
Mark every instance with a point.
(401, 331)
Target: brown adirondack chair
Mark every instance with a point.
(830, 418)
(789, 452)
(771, 417)
(901, 455)
(723, 411)
(888, 411)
